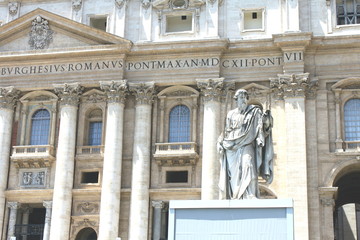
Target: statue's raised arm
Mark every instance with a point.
(246, 149)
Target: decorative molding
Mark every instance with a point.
(69, 93)
(86, 208)
(120, 3)
(30, 179)
(158, 204)
(40, 35)
(293, 85)
(144, 92)
(145, 4)
(212, 1)
(76, 5)
(8, 97)
(13, 8)
(47, 204)
(14, 205)
(94, 98)
(116, 91)
(211, 88)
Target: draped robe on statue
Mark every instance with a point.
(247, 153)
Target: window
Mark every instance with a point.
(89, 177)
(179, 23)
(40, 125)
(352, 120)
(348, 12)
(94, 123)
(253, 19)
(99, 22)
(176, 176)
(95, 133)
(179, 124)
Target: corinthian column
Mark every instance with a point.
(64, 175)
(327, 195)
(293, 89)
(14, 206)
(111, 182)
(211, 90)
(47, 224)
(8, 97)
(139, 208)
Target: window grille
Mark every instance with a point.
(95, 133)
(179, 124)
(348, 12)
(352, 120)
(40, 125)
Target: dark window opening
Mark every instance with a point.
(176, 176)
(35, 227)
(99, 23)
(254, 15)
(183, 17)
(90, 177)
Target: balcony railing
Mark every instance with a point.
(90, 150)
(33, 150)
(352, 146)
(177, 153)
(33, 156)
(175, 147)
(23, 230)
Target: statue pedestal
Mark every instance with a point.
(231, 219)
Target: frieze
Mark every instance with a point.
(116, 91)
(86, 208)
(40, 34)
(144, 65)
(32, 178)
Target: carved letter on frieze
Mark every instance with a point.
(69, 93)
(33, 179)
(116, 90)
(40, 34)
(8, 97)
(144, 92)
(211, 88)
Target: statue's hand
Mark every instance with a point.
(220, 148)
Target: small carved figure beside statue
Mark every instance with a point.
(246, 150)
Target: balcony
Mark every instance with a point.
(89, 152)
(177, 153)
(33, 156)
(29, 231)
(351, 146)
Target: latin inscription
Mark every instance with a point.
(186, 63)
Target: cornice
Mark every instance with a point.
(202, 45)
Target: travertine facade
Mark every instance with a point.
(88, 89)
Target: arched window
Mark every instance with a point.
(95, 128)
(40, 125)
(86, 234)
(352, 120)
(179, 124)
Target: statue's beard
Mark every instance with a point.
(242, 106)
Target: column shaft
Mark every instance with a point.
(47, 224)
(7, 99)
(140, 174)
(64, 175)
(111, 182)
(157, 206)
(210, 161)
(12, 218)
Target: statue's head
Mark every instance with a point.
(241, 92)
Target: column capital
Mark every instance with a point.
(211, 88)
(14, 205)
(328, 195)
(47, 204)
(69, 93)
(293, 85)
(144, 92)
(158, 204)
(116, 91)
(8, 97)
